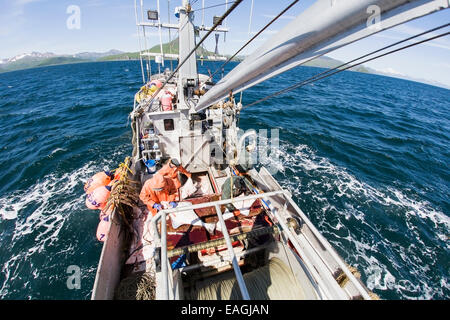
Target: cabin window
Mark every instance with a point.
(169, 125)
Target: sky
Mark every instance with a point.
(42, 25)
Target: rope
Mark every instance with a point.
(138, 286)
(336, 70)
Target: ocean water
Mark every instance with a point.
(366, 158)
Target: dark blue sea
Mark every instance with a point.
(366, 157)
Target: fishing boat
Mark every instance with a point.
(265, 247)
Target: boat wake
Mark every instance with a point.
(49, 216)
(394, 238)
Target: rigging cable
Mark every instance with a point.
(253, 38)
(149, 64)
(139, 39)
(216, 5)
(218, 22)
(170, 37)
(336, 70)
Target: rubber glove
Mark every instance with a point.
(157, 206)
(173, 204)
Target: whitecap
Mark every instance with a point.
(365, 244)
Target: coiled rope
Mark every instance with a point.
(138, 286)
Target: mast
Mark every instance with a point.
(187, 74)
(324, 27)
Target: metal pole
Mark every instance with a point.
(237, 270)
(164, 264)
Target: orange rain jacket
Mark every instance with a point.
(149, 196)
(171, 172)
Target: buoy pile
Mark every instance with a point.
(148, 89)
(98, 189)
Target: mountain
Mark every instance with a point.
(27, 57)
(327, 62)
(37, 59)
(389, 72)
(97, 55)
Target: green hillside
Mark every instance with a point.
(329, 63)
(169, 47)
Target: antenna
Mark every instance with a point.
(251, 15)
(216, 51)
(160, 37)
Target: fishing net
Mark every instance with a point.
(274, 281)
(139, 286)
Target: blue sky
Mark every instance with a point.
(40, 25)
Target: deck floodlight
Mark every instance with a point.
(152, 15)
(215, 20)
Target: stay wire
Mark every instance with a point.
(217, 5)
(336, 70)
(253, 38)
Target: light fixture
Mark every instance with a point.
(215, 20)
(152, 15)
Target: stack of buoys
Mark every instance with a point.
(98, 189)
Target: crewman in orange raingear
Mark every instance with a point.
(156, 190)
(171, 169)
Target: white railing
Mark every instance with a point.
(325, 285)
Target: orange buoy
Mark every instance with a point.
(102, 178)
(98, 198)
(103, 228)
(156, 83)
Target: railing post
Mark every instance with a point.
(234, 261)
